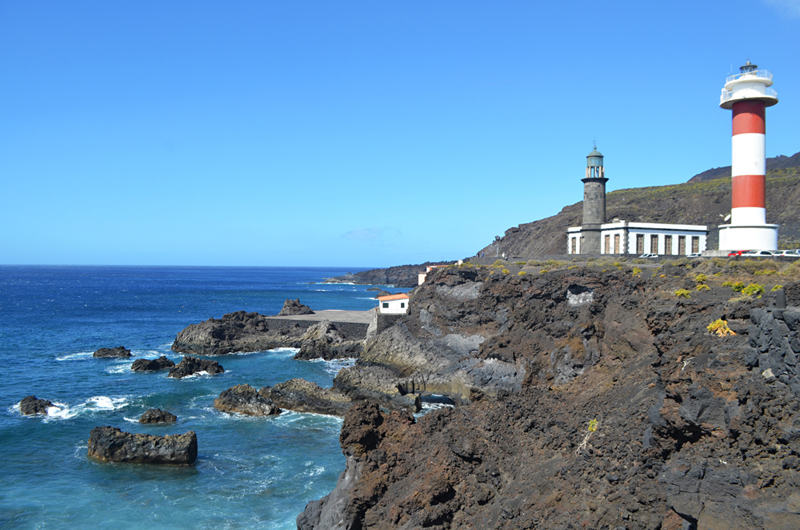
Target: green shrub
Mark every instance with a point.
(544, 271)
(505, 271)
(636, 271)
(764, 272)
(499, 263)
(701, 278)
(521, 273)
(720, 327)
(639, 261)
(683, 293)
(703, 287)
(736, 286)
(776, 288)
(753, 289)
(534, 263)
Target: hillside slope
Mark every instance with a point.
(699, 201)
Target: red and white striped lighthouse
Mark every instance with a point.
(748, 95)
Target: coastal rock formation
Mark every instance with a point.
(110, 444)
(399, 276)
(303, 396)
(588, 399)
(31, 406)
(382, 293)
(157, 416)
(323, 340)
(192, 365)
(244, 399)
(294, 307)
(151, 365)
(119, 351)
(236, 332)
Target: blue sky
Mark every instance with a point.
(354, 133)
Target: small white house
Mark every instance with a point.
(422, 275)
(393, 304)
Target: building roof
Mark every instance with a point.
(393, 297)
(595, 152)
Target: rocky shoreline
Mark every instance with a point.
(593, 396)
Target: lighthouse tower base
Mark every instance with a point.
(754, 237)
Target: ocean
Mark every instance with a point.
(250, 472)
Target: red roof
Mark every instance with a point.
(393, 297)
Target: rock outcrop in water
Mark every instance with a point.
(294, 307)
(31, 406)
(119, 351)
(157, 416)
(192, 365)
(113, 445)
(586, 399)
(303, 396)
(236, 332)
(152, 365)
(244, 399)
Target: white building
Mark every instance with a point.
(422, 275)
(624, 237)
(393, 304)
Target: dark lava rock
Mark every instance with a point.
(239, 331)
(245, 399)
(112, 445)
(302, 396)
(119, 351)
(294, 307)
(382, 293)
(192, 365)
(152, 365)
(158, 416)
(621, 411)
(374, 289)
(323, 340)
(31, 406)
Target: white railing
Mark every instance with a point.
(728, 94)
(765, 74)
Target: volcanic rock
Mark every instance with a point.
(119, 351)
(615, 410)
(294, 307)
(303, 396)
(192, 365)
(151, 365)
(113, 445)
(157, 416)
(234, 332)
(244, 399)
(31, 406)
(382, 293)
(323, 340)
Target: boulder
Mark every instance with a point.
(323, 340)
(158, 416)
(294, 307)
(111, 444)
(119, 351)
(244, 399)
(192, 365)
(152, 365)
(30, 406)
(382, 293)
(303, 396)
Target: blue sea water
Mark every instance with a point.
(250, 472)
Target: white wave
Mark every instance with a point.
(119, 368)
(132, 420)
(105, 403)
(76, 356)
(61, 411)
(313, 472)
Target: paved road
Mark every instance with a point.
(335, 315)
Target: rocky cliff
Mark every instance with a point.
(399, 276)
(595, 397)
